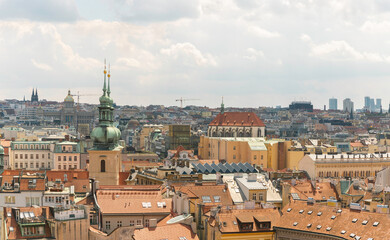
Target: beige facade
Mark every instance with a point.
(266, 153)
(343, 165)
(31, 155)
(105, 165)
(66, 156)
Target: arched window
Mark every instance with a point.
(102, 166)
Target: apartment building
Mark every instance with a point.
(31, 155)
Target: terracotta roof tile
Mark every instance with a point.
(169, 232)
(342, 221)
(130, 201)
(237, 119)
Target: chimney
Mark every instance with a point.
(153, 223)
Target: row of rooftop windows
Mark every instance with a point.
(20, 156)
(25, 165)
(31, 146)
(69, 158)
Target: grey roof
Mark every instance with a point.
(223, 168)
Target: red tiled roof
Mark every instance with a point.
(342, 221)
(129, 201)
(169, 232)
(237, 119)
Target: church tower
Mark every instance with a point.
(105, 156)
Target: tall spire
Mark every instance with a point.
(222, 107)
(109, 75)
(105, 72)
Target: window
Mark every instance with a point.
(217, 198)
(10, 199)
(25, 165)
(234, 147)
(25, 156)
(37, 156)
(64, 167)
(32, 156)
(37, 165)
(261, 197)
(206, 199)
(16, 165)
(59, 158)
(102, 166)
(234, 156)
(254, 196)
(31, 165)
(119, 223)
(139, 222)
(16, 156)
(108, 225)
(59, 167)
(131, 222)
(70, 158)
(146, 222)
(75, 158)
(254, 157)
(21, 156)
(64, 158)
(43, 155)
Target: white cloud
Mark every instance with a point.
(188, 54)
(39, 10)
(342, 51)
(262, 33)
(41, 66)
(150, 10)
(376, 27)
(253, 54)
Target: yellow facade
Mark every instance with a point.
(293, 158)
(266, 153)
(105, 165)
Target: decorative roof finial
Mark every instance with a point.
(109, 75)
(105, 72)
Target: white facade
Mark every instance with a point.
(21, 199)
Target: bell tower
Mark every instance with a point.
(105, 156)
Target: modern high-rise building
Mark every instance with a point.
(372, 105)
(332, 103)
(378, 105)
(347, 105)
(367, 103)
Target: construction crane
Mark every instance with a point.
(82, 95)
(181, 100)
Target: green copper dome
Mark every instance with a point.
(106, 136)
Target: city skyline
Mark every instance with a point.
(162, 51)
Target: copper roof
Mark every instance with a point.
(237, 119)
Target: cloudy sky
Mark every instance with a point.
(254, 53)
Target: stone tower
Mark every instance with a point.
(105, 156)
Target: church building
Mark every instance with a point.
(236, 124)
(105, 156)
